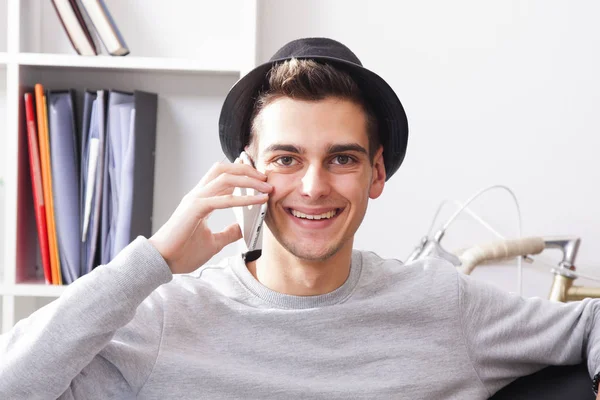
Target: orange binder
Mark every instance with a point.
(42, 114)
(36, 181)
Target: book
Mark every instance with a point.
(36, 181)
(105, 27)
(44, 143)
(54, 253)
(74, 25)
(97, 188)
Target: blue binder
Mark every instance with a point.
(92, 167)
(64, 162)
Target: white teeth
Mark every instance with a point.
(299, 214)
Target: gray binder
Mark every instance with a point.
(128, 187)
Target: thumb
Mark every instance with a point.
(228, 235)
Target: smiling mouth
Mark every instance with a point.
(315, 217)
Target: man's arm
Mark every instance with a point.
(44, 353)
(508, 336)
(66, 348)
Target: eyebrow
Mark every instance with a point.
(333, 148)
(341, 148)
(285, 147)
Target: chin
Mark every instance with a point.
(311, 252)
(313, 246)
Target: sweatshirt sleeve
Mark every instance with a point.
(509, 336)
(95, 336)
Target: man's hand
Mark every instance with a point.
(185, 241)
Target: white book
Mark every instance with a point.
(105, 27)
(75, 28)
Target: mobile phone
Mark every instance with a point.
(250, 218)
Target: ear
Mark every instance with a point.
(378, 178)
(252, 149)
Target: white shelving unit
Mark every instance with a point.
(190, 66)
(124, 63)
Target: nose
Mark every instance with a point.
(315, 182)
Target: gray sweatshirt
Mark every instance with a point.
(130, 329)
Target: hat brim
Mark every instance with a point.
(234, 121)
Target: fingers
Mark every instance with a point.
(237, 168)
(215, 190)
(225, 184)
(202, 207)
(228, 235)
(228, 201)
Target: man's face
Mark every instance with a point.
(315, 155)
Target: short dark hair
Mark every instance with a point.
(310, 80)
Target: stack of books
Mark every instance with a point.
(85, 29)
(92, 175)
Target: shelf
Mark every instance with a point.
(121, 63)
(191, 69)
(32, 289)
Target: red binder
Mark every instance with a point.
(36, 180)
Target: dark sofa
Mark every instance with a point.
(551, 383)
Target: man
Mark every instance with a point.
(308, 316)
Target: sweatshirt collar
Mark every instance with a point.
(286, 301)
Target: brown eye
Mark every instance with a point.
(285, 161)
(343, 160)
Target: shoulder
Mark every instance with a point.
(426, 289)
(429, 265)
(433, 274)
(208, 280)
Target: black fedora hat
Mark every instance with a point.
(234, 122)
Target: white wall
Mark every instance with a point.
(502, 92)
